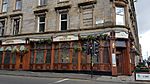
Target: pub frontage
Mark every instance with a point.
(103, 51)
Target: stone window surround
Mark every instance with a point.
(20, 23)
(120, 4)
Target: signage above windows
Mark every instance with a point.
(17, 41)
(65, 38)
(121, 35)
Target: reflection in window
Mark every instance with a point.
(65, 55)
(63, 22)
(42, 2)
(18, 4)
(96, 52)
(4, 5)
(40, 54)
(7, 57)
(120, 16)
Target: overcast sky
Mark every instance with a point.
(143, 16)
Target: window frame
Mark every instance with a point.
(4, 3)
(17, 7)
(2, 30)
(39, 23)
(64, 20)
(122, 17)
(42, 4)
(15, 26)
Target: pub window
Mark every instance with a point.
(18, 5)
(75, 53)
(42, 2)
(48, 54)
(2, 27)
(32, 56)
(7, 55)
(63, 21)
(16, 26)
(41, 23)
(85, 57)
(1, 55)
(40, 53)
(87, 15)
(96, 52)
(56, 54)
(14, 58)
(64, 53)
(4, 5)
(106, 52)
(120, 15)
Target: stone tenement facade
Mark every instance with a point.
(70, 35)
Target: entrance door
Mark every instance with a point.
(119, 60)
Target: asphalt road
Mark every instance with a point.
(6, 79)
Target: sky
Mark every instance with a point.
(143, 16)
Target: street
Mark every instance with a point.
(7, 79)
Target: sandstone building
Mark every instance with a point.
(70, 35)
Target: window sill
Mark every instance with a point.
(16, 10)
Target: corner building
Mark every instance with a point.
(69, 35)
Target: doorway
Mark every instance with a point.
(120, 54)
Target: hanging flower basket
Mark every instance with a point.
(15, 50)
(23, 49)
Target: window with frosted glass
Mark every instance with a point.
(18, 4)
(16, 26)
(1, 55)
(7, 57)
(4, 5)
(120, 16)
(64, 53)
(75, 53)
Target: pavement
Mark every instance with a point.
(102, 78)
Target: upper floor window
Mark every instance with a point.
(42, 2)
(120, 16)
(18, 4)
(4, 5)
(41, 23)
(63, 21)
(2, 26)
(16, 26)
(87, 15)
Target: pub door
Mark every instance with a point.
(120, 60)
